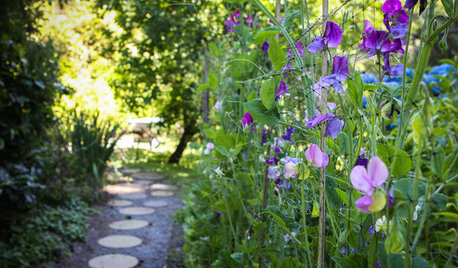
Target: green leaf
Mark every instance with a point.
(448, 6)
(202, 88)
(213, 82)
(290, 18)
(344, 262)
(419, 262)
(265, 35)
(252, 96)
(268, 93)
(403, 190)
(439, 201)
(403, 163)
(208, 131)
(277, 55)
(278, 219)
(355, 90)
(259, 112)
(237, 257)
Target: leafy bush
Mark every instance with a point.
(37, 239)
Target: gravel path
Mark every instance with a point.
(133, 230)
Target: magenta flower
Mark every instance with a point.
(331, 38)
(391, 7)
(316, 156)
(299, 49)
(247, 120)
(282, 89)
(233, 21)
(367, 181)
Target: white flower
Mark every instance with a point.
(380, 224)
(290, 170)
(415, 213)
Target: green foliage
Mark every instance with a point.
(38, 239)
(93, 141)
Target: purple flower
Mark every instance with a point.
(318, 119)
(289, 131)
(250, 21)
(331, 81)
(247, 120)
(368, 28)
(316, 156)
(284, 185)
(263, 138)
(209, 147)
(280, 20)
(367, 181)
(342, 250)
(399, 31)
(282, 89)
(361, 162)
(278, 150)
(265, 47)
(371, 230)
(273, 172)
(410, 4)
(278, 142)
(390, 7)
(340, 67)
(217, 105)
(334, 127)
(287, 67)
(233, 21)
(273, 160)
(218, 214)
(299, 49)
(331, 38)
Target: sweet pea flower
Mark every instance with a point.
(299, 49)
(273, 172)
(318, 119)
(331, 38)
(287, 136)
(290, 170)
(367, 181)
(285, 69)
(316, 156)
(278, 142)
(209, 147)
(217, 105)
(265, 47)
(263, 137)
(339, 75)
(247, 120)
(273, 160)
(334, 127)
(232, 21)
(282, 89)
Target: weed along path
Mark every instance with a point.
(134, 229)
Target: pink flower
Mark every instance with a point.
(367, 181)
(316, 156)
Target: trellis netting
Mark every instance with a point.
(330, 142)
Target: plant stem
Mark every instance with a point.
(265, 197)
(304, 223)
(324, 95)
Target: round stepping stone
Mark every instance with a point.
(113, 261)
(120, 241)
(146, 176)
(128, 224)
(142, 182)
(136, 211)
(130, 170)
(162, 193)
(155, 203)
(119, 203)
(134, 196)
(161, 186)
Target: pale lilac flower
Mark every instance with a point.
(209, 147)
(217, 105)
(340, 67)
(278, 142)
(273, 172)
(368, 180)
(334, 127)
(331, 38)
(316, 156)
(318, 119)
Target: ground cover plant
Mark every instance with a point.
(331, 143)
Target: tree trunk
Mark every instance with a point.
(189, 130)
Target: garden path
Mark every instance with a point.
(134, 229)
